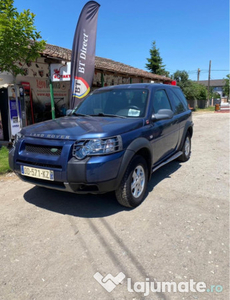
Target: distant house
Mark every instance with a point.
(216, 84)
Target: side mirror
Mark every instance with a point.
(69, 112)
(162, 115)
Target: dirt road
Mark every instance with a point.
(52, 243)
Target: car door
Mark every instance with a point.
(180, 108)
(165, 132)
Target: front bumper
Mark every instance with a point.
(96, 174)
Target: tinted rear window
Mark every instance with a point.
(181, 96)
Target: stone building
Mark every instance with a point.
(34, 89)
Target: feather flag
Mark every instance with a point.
(83, 53)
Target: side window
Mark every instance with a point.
(181, 96)
(178, 105)
(160, 101)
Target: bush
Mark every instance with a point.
(192, 90)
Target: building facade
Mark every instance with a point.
(216, 85)
(33, 88)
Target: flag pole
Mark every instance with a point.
(52, 97)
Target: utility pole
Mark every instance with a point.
(209, 76)
(198, 74)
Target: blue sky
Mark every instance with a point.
(188, 33)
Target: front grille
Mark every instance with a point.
(36, 164)
(46, 150)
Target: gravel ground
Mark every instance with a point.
(52, 243)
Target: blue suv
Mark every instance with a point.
(113, 141)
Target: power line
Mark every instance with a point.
(195, 71)
(215, 70)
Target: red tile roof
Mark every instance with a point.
(103, 64)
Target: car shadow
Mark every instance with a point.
(85, 206)
(164, 172)
(89, 206)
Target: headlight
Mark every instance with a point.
(82, 149)
(17, 137)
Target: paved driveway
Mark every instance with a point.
(52, 243)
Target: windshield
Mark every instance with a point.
(117, 102)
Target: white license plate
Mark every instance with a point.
(37, 173)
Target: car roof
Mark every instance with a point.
(149, 86)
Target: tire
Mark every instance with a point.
(132, 189)
(186, 149)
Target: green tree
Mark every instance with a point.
(19, 40)
(155, 63)
(226, 86)
(213, 94)
(192, 90)
(182, 78)
(199, 91)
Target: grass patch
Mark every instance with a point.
(4, 163)
(210, 108)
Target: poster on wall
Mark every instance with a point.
(60, 72)
(41, 99)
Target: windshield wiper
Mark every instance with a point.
(107, 115)
(80, 115)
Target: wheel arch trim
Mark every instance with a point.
(138, 146)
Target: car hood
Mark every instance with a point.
(72, 128)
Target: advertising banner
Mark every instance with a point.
(15, 125)
(83, 53)
(14, 120)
